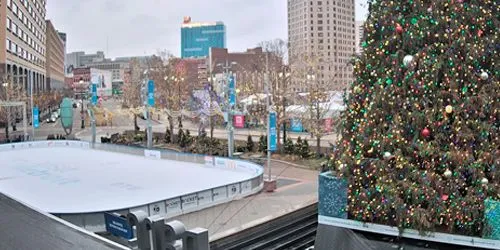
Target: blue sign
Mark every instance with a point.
(232, 90)
(273, 136)
(118, 226)
(151, 93)
(94, 94)
(296, 125)
(36, 118)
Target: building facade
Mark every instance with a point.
(198, 37)
(91, 75)
(324, 31)
(359, 36)
(22, 55)
(54, 58)
(80, 59)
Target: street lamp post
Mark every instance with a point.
(82, 112)
(284, 76)
(230, 140)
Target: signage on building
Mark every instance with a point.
(118, 226)
(94, 94)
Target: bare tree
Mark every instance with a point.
(10, 91)
(132, 90)
(317, 107)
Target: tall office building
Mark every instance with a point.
(55, 58)
(359, 36)
(22, 55)
(324, 30)
(198, 37)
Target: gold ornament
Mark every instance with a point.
(449, 109)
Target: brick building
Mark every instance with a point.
(55, 58)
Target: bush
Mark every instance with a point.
(263, 143)
(305, 151)
(289, 147)
(167, 136)
(298, 147)
(250, 144)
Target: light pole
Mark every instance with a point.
(82, 112)
(230, 140)
(32, 105)
(284, 76)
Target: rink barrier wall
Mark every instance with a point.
(332, 203)
(174, 206)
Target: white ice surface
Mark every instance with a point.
(69, 180)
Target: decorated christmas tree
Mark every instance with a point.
(419, 144)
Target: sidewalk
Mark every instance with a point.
(297, 188)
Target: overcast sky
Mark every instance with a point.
(139, 27)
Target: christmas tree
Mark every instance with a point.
(419, 144)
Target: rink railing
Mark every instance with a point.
(173, 206)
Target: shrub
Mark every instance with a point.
(250, 144)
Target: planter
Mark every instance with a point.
(332, 196)
(333, 212)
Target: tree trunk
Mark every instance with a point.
(136, 127)
(7, 132)
(211, 127)
(171, 125)
(318, 145)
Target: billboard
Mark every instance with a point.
(103, 79)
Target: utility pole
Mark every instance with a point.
(32, 106)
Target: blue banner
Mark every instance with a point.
(296, 125)
(151, 93)
(36, 118)
(118, 226)
(273, 136)
(232, 90)
(94, 94)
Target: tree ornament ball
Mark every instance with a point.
(484, 75)
(387, 155)
(449, 109)
(426, 132)
(447, 173)
(399, 29)
(407, 60)
(484, 181)
(341, 166)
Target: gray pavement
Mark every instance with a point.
(297, 188)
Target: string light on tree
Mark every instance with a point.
(421, 130)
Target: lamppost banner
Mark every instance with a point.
(36, 119)
(151, 93)
(273, 137)
(232, 90)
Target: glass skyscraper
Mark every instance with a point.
(197, 38)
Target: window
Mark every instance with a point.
(14, 8)
(9, 22)
(7, 44)
(9, 3)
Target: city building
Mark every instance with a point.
(248, 66)
(323, 31)
(92, 75)
(80, 59)
(64, 39)
(22, 55)
(198, 37)
(54, 58)
(359, 36)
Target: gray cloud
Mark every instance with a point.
(135, 27)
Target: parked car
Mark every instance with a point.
(53, 117)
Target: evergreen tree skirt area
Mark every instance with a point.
(419, 144)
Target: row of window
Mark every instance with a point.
(17, 31)
(18, 50)
(24, 18)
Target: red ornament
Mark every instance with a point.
(399, 29)
(426, 132)
(444, 197)
(479, 33)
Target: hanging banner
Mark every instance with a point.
(94, 94)
(36, 118)
(151, 93)
(232, 90)
(273, 137)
